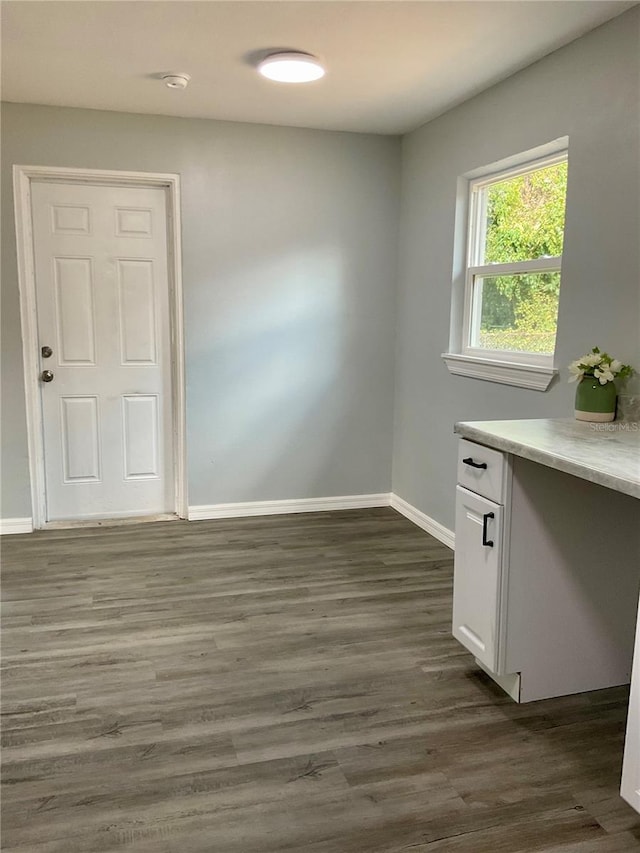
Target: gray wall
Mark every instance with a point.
(588, 90)
(290, 263)
(289, 247)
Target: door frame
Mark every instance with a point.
(23, 176)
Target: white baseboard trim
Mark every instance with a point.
(437, 530)
(255, 508)
(15, 525)
(249, 508)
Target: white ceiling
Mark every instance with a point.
(391, 65)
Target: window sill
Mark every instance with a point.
(529, 376)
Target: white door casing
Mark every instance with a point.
(105, 297)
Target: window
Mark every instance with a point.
(514, 241)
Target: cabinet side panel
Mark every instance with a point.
(574, 573)
(630, 788)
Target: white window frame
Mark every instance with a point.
(526, 370)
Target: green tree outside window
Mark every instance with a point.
(525, 221)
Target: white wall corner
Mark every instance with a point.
(15, 525)
(249, 508)
(430, 525)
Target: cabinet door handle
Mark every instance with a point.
(469, 461)
(485, 519)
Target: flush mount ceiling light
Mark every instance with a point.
(291, 67)
(176, 80)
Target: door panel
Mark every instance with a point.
(477, 575)
(103, 306)
(140, 430)
(75, 339)
(67, 219)
(80, 439)
(133, 222)
(137, 312)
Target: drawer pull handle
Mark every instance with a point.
(485, 519)
(469, 461)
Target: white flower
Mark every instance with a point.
(603, 376)
(576, 371)
(592, 359)
(600, 366)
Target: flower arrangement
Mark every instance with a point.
(599, 365)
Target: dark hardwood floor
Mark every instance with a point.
(279, 684)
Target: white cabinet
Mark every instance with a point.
(549, 607)
(478, 565)
(630, 789)
(479, 606)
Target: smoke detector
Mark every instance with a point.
(176, 80)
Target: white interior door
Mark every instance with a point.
(102, 298)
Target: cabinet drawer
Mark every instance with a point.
(482, 470)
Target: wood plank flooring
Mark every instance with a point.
(279, 684)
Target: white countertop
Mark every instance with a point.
(607, 454)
